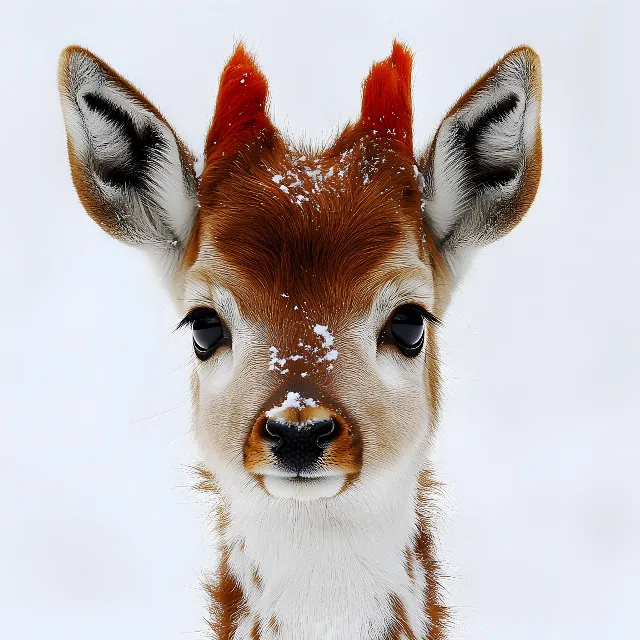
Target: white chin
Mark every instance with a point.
(304, 488)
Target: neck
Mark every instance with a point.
(360, 565)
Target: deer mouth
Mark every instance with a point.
(304, 488)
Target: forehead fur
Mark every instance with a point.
(315, 225)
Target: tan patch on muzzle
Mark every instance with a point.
(343, 453)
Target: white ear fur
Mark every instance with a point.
(132, 173)
(483, 167)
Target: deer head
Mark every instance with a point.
(313, 280)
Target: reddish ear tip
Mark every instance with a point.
(386, 97)
(241, 107)
(402, 59)
(241, 73)
(241, 56)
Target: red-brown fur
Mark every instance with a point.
(386, 98)
(343, 228)
(227, 603)
(330, 245)
(425, 553)
(330, 252)
(326, 253)
(240, 115)
(400, 629)
(319, 250)
(226, 598)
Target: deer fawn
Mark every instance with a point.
(313, 281)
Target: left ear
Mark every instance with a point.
(132, 173)
(482, 170)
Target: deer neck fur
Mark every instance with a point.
(360, 565)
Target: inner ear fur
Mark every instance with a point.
(133, 175)
(483, 167)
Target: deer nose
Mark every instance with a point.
(297, 446)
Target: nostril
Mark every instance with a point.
(277, 431)
(324, 432)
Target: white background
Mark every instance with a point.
(539, 446)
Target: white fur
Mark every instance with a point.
(328, 564)
(327, 567)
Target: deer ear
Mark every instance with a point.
(134, 176)
(481, 171)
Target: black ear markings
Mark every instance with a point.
(496, 113)
(485, 170)
(130, 168)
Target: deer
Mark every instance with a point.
(313, 281)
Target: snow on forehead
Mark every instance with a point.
(309, 224)
(302, 175)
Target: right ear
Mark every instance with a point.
(132, 173)
(482, 170)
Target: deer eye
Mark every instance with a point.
(405, 329)
(207, 330)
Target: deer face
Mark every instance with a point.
(312, 281)
(324, 305)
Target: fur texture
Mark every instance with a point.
(305, 255)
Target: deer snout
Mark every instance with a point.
(297, 446)
(303, 439)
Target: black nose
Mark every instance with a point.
(299, 445)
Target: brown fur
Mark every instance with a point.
(345, 452)
(273, 624)
(324, 253)
(226, 599)
(227, 604)
(256, 452)
(424, 551)
(312, 233)
(400, 629)
(408, 563)
(256, 579)
(327, 256)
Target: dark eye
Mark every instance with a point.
(405, 329)
(207, 329)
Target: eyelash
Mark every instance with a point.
(427, 315)
(195, 314)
